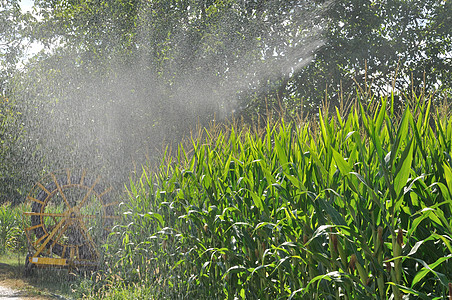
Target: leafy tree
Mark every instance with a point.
(372, 41)
(13, 159)
(11, 47)
(125, 75)
(261, 49)
(14, 33)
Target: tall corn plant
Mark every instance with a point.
(12, 237)
(360, 208)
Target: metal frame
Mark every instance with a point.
(57, 227)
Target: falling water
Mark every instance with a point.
(109, 115)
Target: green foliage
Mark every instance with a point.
(372, 42)
(359, 208)
(205, 54)
(13, 31)
(285, 52)
(12, 236)
(12, 157)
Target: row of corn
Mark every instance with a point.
(352, 205)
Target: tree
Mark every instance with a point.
(126, 75)
(372, 41)
(12, 23)
(14, 33)
(13, 159)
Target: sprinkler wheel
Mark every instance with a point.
(70, 215)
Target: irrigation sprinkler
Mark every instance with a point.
(70, 214)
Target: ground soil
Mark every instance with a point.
(13, 285)
(7, 293)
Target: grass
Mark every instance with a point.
(45, 283)
(11, 264)
(358, 208)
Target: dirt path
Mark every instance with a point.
(13, 286)
(16, 290)
(9, 294)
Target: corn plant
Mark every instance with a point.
(12, 236)
(359, 208)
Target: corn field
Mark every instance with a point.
(348, 206)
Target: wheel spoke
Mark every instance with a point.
(43, 188)
(44, 214)
(68, 176)
(35, 200)
(63, 230)
(88, 193)
(88, 236)
(51, 235)
(61, 191)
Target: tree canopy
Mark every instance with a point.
(246, 51)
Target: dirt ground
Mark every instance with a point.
(14, 289)
(13, 286)
(7, 293)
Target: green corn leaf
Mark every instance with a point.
(408, 290)
(324, 130)
(416, 247)
(427, 115)
(351, 133)
(322, 230)
(419, 139)
(432, 216)
(251, 271)
(446, 240)
(378, 146)
(429, 268)
(234, 270)
(402, 133)
(342, 164)
(335, 276)
(315, 157)
(448, 176)
(205, 267)
(295, 181)
(331, 171)
(226, 167)
(403, 169)
(281, 155)
(267, 171)
(257, 200)
(335, 216)
(264, 224)
(444, 222)
(339, 117)
(424, 215)
(381, 115)
(156, 216)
